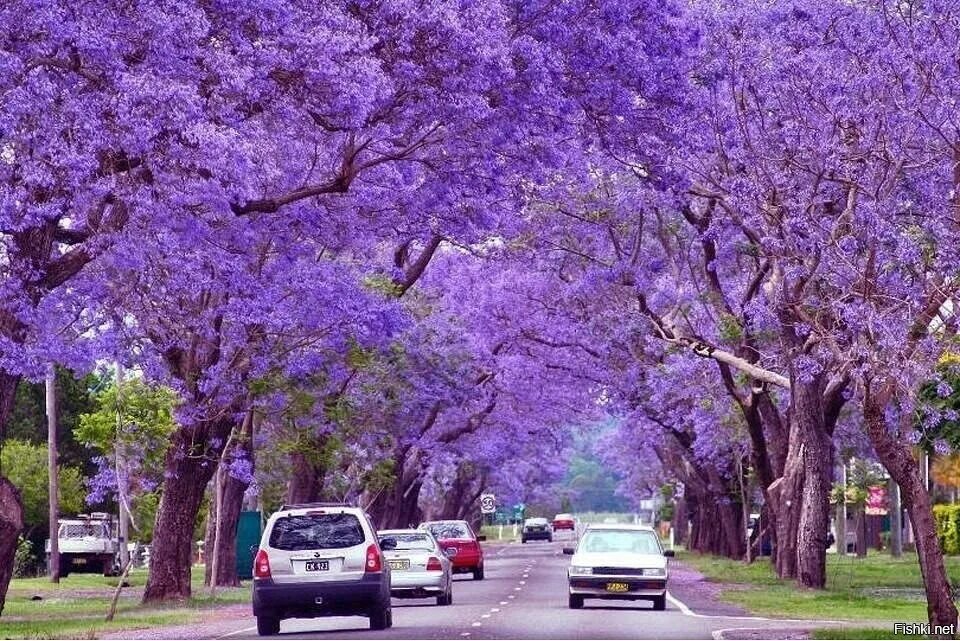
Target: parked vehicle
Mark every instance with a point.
(536, 529)
(460, 544)
(564, 522)
(418, 566)
(88, 543)
(320, 559)
(624, 562)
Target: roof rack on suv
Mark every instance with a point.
(300, 506)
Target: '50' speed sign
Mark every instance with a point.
(488, 503)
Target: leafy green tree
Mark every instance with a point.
(130, 426)
(75, 397)
(134, 420)
(25, 464)
(594, 486)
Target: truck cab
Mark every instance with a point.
(88, 543)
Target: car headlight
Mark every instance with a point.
(655, 572)
(580, 569)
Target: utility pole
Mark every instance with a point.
(842, 512)
(52, 473)
(896, 527)
(122, 480)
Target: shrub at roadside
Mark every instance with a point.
(947, 518)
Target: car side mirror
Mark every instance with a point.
(669, 553)
(482, 537)
(388, 543)
(568, 550)
(448, 552)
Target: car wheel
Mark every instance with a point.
(380, 617)
(268, 626)
(522, 540)
(445, 599)
(660, 602)
(550, 539)
(478, 574)
(576, 601)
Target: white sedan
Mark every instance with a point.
(418, 567)
(624, 562)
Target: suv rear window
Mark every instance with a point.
(316, 532)
(452, 530)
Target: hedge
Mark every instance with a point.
(947, 519)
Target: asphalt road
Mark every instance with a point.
(524, 596)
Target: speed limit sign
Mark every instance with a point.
(488, 503)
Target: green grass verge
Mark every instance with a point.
(77, 606)
(878, 588)
(860, 633)
(79, 628)
(494, 533)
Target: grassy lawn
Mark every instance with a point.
(77, 606)
(878, 588)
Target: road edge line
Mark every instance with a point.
(230, 634)
(686, 611)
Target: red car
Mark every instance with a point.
(563, 522)
(460, 544)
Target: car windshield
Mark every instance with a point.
(410, 541)
(627, 541)
(563, 517)
(316, 532)
(452, 530)
(536, 521)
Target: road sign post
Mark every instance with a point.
(488, 503)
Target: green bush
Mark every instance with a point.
(25, 562)
(947, 519)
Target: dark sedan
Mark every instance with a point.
(536, 529)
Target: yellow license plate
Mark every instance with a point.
(618, 587)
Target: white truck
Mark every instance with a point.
(88, 543)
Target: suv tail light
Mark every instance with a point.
(433, 564)
(261, 565)
(374, 562)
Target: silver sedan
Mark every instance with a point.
(418, 566)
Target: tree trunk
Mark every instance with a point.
(785, 497)
(767, 453)
(11, 524)
(225, 549)
(904, 470)
(221, 546)
(680, 521)
(808, 412)
(841, 527)
(305, 483)
(187, 472)
(398, 506)
(11, 505)
(730, 518)
(861, 533)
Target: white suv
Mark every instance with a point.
(320, 559)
